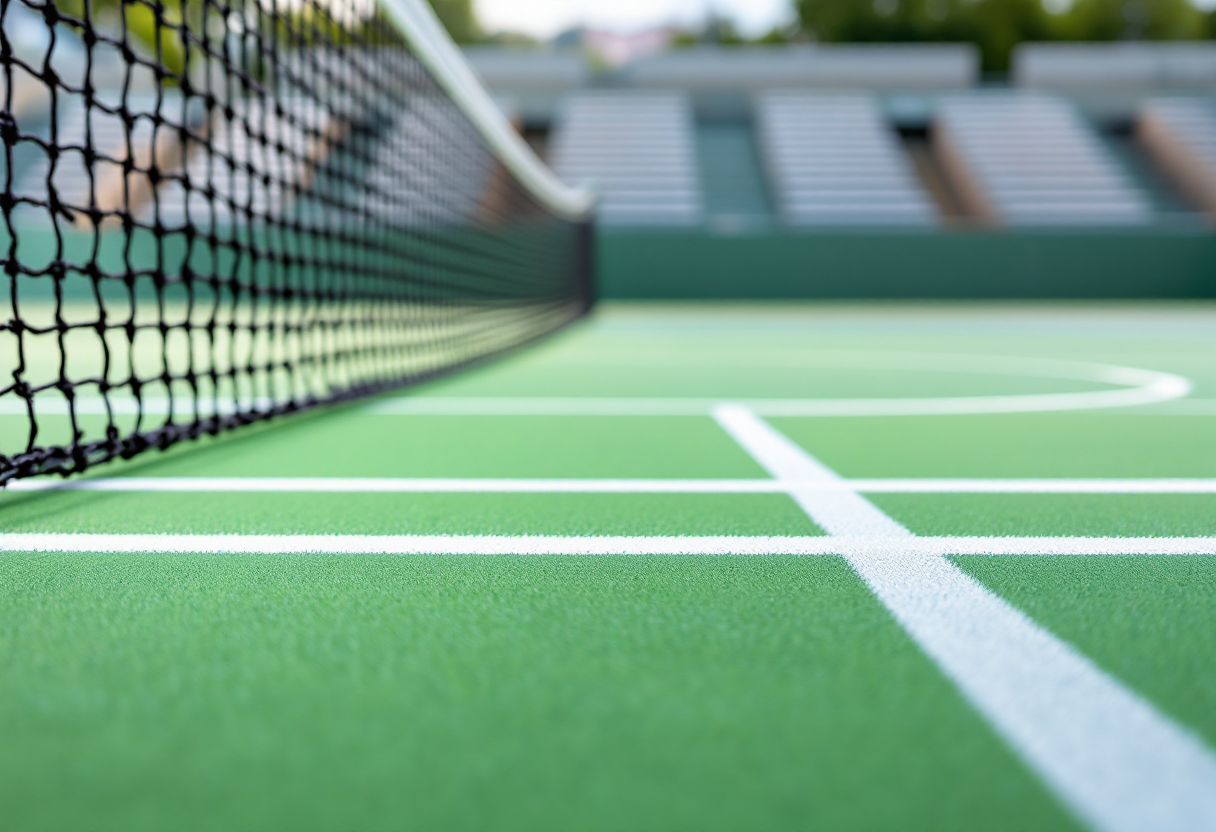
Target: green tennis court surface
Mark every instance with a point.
(718, 567)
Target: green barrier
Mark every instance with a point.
(702, 264)
(1082, 264)
(438, 263)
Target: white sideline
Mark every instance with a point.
(1106, 752)
(363, 485)
(321, 544)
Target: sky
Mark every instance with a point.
(544, 18)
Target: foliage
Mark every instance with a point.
(1132, 20)
(997, 26)
(718, 30)
(459, 18)
(158, 25)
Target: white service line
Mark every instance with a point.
(324, 544)
(391, 485)
(1106, 752)
(837, 510)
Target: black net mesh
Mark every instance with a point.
(215, 214)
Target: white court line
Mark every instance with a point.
(1106, 752)
(1174, 387)
(321, 544)
(837, 510)
(363, 485)
(338, 485)
(1136, 387)
(1034, 486)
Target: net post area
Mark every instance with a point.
(218, 214)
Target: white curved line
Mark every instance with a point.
(1165, 388)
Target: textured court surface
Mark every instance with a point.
(1002, 614)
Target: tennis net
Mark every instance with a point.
(216, 213)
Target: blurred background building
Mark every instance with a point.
(818, 148)
(893, 147)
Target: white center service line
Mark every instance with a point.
(390, 485)
(1106, 752)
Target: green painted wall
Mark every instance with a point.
(1150, 263)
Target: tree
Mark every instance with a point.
(459, 18)
(1132, 20)
(998, 26)
(995, 26)
(895, 21)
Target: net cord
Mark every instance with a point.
(432, 45)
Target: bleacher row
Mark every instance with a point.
(639, 152)
(833, 161)
(262, 164)
(1021, 159)
(1025, 155)
(1026, 159)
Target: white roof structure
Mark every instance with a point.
(877, 67)
(1111, 80)
(1116, 66)
(504, 68)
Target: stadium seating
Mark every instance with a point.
(444, 193)
(1030, 160)
(1180, 134)
(81, 186)
(832, 160)
(640, 151)
(235, 170)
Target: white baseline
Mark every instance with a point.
(392, 485)
(323, 544)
